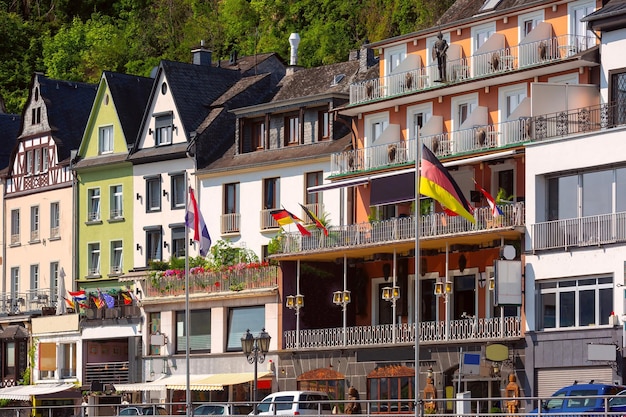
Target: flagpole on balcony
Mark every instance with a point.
(418, 401)
(188, 411)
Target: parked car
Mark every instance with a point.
(295, 403)
(617, 404)
(575, 398)
(222, 409)
(144, 410)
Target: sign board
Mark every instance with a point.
(508, 275)
(602, 353)
(471, 364)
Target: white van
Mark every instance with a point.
(295, 403)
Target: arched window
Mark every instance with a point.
(325, 380)
(393, 385)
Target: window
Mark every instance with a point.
(163, 126)
(34, 277)
(15, 281)
(529, 21)
(393, 57)
(116, 257)
(579, 302)
(178, 242)
(178, 191)
(258, 135)
(37, 160)
(54, 220)
(44, 159)
(117, 202)
(271, 196)
(34, 223)
(462, 108)
(105, 140)
(47, 360)
(239, 320)
(15, 226)
(583, 37)
(29, 162)
(323, 120)
(93, 252)
(374, 127)
(155, 327)
(9, 354)
(54, 281)
(154, 242)
(292, 129)
(388, 385)
(200, 331)
(313, 179)
(231, 198)
(509, 99)
(153, 193)
(480, 34)
(584, 194)
(68, 351)
(93, 197)
(617, 90)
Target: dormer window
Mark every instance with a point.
(105, 139)
(163, 127)
(292, 129)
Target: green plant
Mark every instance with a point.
(224, 254)
(26, 375)
(495, 410)
(374, 214)
(503, 197)
(237, 287)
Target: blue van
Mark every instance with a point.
(574, 398)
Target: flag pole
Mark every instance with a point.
(418, 403)
(188, 411)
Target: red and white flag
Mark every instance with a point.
(195, 221)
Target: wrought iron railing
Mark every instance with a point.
(30, 301)
(580, 232)
(481, 138)
(236, 278)
(481, 329)
(474, 67)
(402, 229)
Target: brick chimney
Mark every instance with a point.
(201, 55)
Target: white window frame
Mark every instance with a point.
(372, 120)
(536, 17)
(394, 55)
(495, 170)
(37, 164)
(105, 139)
(93, 204)
(55, 220)
(164, 134)
(489, 28)
(470, 99)
(571, 79)
(44, 159)
(15, 226)
(34, 223)
(117, 201)
(153, 194)
(15, 281)
(29, 162)
(425, 108)
(54, 281)
(572, 24)
(178, 195)
(117, 256)
(93, 259)
(504, 93)
(34, 277)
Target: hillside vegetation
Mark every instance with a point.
(77, 40)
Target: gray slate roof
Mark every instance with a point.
(611, 16)
(9, 128)
(68, 105)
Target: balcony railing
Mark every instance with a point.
(27, 302)
(267, 221)
(474, 67)
(230, 223)
(172, 283)
(471, 330)
(402, 229)
(580, 232)
(106, 372)
(481, 138)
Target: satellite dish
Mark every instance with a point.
(508, 252)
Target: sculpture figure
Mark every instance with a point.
(440, 49)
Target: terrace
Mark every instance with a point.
(29, 302)
(482, 138)
(482, 65)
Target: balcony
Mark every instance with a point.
(236, 278)
(465, 330)
(230, 223)
(475, 67)
(106, 373)
(402, 230)
(580, 232)
(267, 221)
(482, 138)
(32, 301)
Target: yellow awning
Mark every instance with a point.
(231, 378)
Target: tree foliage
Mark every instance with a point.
(77, 40)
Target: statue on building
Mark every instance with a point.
(440, 49)
(353, 407)
(430, 393)
(512, 394)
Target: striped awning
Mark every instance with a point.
(218, 381)
(25, 392)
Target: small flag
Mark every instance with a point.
(108, 299)
(70, 303)
(78, 295)
(195, 221)
(283, 217)
(127, 298)
(436, 182)
(97, 301)
(495, 210)
(315, 220)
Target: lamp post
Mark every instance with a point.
(255, 349)
(296, 302)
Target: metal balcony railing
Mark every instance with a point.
(481, 138)
(471, 68)
(580, 232)
(30, 301)
(402, 229)
(230, 223)
(471, 330)
(106, 372)
(237, 278)
(267, 221)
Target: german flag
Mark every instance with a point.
(283, 218)
(315, 220)
(436, 182)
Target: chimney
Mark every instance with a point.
(294, 41)
(201, 55)
(366, 58)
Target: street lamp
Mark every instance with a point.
(255, 349)
(296, 302)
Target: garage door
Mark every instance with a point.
(550, 380)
